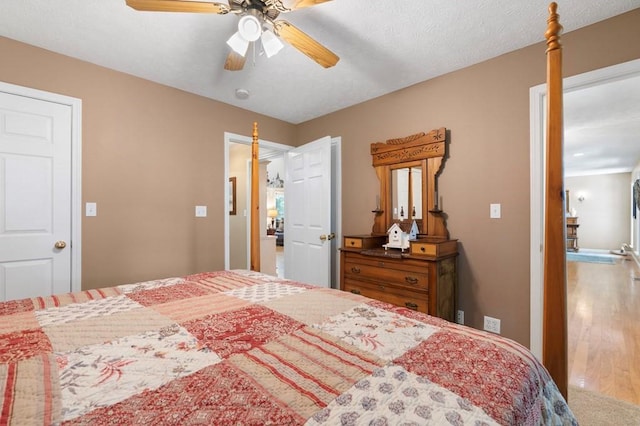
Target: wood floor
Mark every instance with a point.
(280, 261)
(604, 328)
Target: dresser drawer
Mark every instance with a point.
(412, 277)
(432, 248)
(405, 298)
(353, 242)
(363, 241)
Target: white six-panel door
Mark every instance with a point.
(308, 213)
(35, 197)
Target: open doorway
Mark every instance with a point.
(275, 203)
(237, 154)
(625, 71)
(537, 112)
(237, 225)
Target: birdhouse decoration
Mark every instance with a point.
(397, 238)
(413, 233)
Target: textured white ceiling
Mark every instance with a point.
(602, 128)
(384, 45)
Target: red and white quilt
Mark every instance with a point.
(242, 348)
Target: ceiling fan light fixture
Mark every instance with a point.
(270, 43)
(249, 28)
(238, 44)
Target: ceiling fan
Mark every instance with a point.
(256, 16)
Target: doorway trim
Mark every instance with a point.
(76, 169)
(537, 108)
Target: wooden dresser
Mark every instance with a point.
(417, 270)
(423, 278)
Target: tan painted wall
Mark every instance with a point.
(146, 184)
(150, 154)
(486, 107)
(604, 215)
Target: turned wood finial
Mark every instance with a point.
(554, 29)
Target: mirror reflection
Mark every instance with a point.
(406, 193)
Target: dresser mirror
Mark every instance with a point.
(406, 192)
(407, 169)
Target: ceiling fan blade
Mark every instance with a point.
(178, 6)
(300, 4)
(306, 44)
(234, 62)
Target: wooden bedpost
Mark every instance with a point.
(255, 201)
(554, 340)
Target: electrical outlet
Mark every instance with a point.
(460, 317)
(492, 324)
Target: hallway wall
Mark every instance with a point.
(604, 214)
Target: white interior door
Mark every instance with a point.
(35, 197)
(308, 213)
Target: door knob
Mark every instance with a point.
(331, 236)
(60, 244)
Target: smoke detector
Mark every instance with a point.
(242, 94)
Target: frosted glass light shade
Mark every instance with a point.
(270, 43)
(249, 28)
(238, 44)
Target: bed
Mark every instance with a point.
(245, 348)
(241, 347)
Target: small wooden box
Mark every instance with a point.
(572, 220)
(432, 247)
(363, 242)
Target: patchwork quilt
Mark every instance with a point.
(242, 348)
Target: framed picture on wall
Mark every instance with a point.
(232, 195)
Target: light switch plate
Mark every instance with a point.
(494, 211)
(91, 209)
(201, 211)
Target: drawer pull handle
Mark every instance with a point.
(422, 249)
(355, 291)
(353, 243)
(411, 305)
(411, 280)
(355, 269)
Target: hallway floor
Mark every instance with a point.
(604, 328)
(280, 261)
